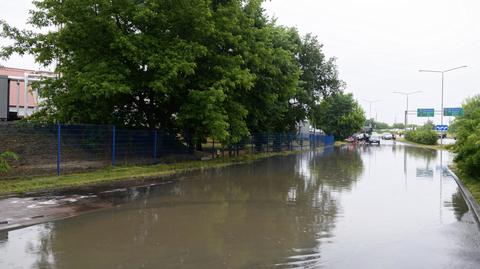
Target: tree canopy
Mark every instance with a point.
(339, 114)
(200, 68)
(467, 131)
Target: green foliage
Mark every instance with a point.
(381, 125)
(467, 130)
(398, 126)
(319, 78)
(377, 125)
(5, 157)
(339, 115)
(199, 68)
(423, 135)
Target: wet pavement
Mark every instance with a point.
(389, 206)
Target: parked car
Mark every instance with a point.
(387, 136)
(351, 139)
(374, 139)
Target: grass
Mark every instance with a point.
(473, 184)
(340, 143)
(111, 175)
(437, 147)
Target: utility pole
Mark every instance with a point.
(370, 102)
(443, 78)
(407, 94)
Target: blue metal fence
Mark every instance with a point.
(59, 149)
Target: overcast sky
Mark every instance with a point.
(379, 44)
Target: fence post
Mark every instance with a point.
(155, 141)
(114, 146)
(252, 145)
(301, 141)
(213, 148)
(59, 147)
(267, 141)
(290, 141)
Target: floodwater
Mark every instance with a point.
(391, 206)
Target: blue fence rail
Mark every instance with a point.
(59, 149)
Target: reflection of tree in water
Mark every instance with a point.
(338, 170)
(459, 205)
(28, 248)
(43, 247)
(244, 216)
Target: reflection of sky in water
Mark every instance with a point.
(27, 248)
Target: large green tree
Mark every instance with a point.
(319, 78)
(339, 114)
(201, 68)
(119, 61)
(467, 131)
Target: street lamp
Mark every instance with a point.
(406, 111)
(370, 113)
(443, 75)
(371, 102)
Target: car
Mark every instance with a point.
(351, 139)
(359, 137)
(374, 140)
(387, 136)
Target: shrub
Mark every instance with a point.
(467, 130)
(423, 135)
(4, 158)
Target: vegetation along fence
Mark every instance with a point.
(56, 149)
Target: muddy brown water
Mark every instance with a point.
(391, 206)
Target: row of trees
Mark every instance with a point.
(467, 132)
(382, 125)
(201, 68)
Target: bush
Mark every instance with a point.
(467, 130)
(423, 135)
(4, 158)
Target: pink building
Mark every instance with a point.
(23, 99)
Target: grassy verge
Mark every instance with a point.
(473, 184)
(110, 175)
(437, 147)
(340, 143)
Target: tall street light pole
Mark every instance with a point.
(443, 76)
(370, 102)
(407, 94)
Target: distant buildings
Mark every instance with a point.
(17, 98)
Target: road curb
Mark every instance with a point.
(471, 201)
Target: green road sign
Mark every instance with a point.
(425, 112)
(453, 112)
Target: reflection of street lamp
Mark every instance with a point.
(443, 73)
(406, 111)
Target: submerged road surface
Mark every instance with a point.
(391, 206)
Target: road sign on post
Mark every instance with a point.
(453, 112)
(442, 128)
(426, 112)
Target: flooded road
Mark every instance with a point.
(391, 206)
